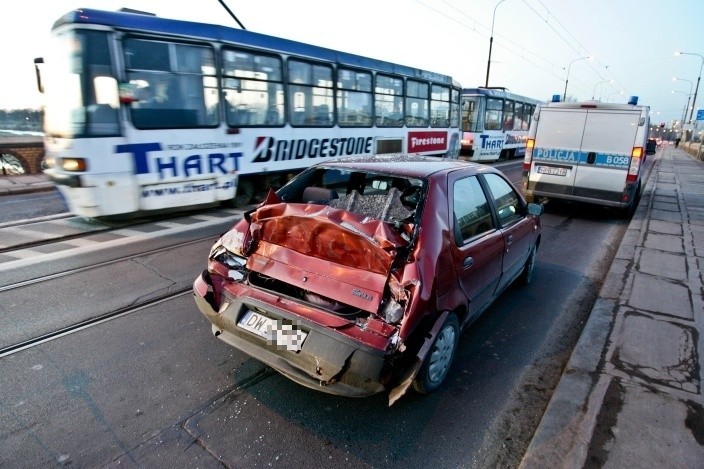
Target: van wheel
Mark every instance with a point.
(438, 361)
(630, 210)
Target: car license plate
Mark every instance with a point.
(551, 170)
(275, 332)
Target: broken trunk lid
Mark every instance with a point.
(324, 250)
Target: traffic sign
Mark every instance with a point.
(700, 114)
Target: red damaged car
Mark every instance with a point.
(358, 276)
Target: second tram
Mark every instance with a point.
(495, 124)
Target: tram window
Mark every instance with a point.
(354, 98)
(253, 89)
(416, 103)
(171, 80)
(439, 106)
(470, 114)
(529, 109)
(388, 101)
(492, 116)
(314, 83)
(520, 116)
(508, 114)
(454, 107)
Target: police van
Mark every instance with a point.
(587, 152)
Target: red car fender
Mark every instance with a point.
(396, 393)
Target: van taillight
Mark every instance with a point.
(636, 155)
(530, 143)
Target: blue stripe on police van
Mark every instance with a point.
(557, 155)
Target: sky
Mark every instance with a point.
(602, 49)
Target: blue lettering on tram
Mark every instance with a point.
(491, 143)
(170, 166)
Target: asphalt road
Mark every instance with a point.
(155, 388)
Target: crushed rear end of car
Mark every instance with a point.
(319, 291)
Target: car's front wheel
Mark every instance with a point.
(438, 361)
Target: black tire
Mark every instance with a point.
(628, 212)
(437, 363)
(526, 275)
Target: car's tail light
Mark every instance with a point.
(636, 155)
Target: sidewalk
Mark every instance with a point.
(631, 394)
(24, 184)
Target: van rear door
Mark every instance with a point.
(556, 155)
(607, 144)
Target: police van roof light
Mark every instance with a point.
(556, 98)
(633, 100)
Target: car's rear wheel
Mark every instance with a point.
(527, 274)
(438, 361)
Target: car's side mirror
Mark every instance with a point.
(535, 209)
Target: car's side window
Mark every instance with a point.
(471, 210)
(508, 204)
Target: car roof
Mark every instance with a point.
(403, 164)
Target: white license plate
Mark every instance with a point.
(551, 170)
(275, 332)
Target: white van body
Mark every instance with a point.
(587, 152)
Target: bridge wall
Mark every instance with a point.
(28, 150)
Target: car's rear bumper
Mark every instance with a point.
(328, 360)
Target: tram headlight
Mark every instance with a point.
(74, 164)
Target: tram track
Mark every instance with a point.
(38, 232)
(91, 322)
(113, 261)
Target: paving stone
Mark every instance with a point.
(647, 417)
(663, 263)
(664, 242)
(659, 295)
(664, 227)
(666, 215)
(670, 357)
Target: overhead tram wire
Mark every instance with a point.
(222, 2)
(486, 35)
(579, 49)
(522, 51)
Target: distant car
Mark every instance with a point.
(358, 276)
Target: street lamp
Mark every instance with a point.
(491, 41)
(564, 95)
(694, 101)
(684, 113)
(594, 92)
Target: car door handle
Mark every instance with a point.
(509, 239)
(468, 262)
